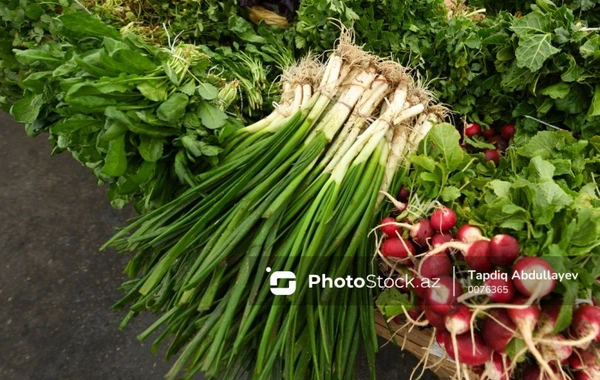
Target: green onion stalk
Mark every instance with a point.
(297, 191)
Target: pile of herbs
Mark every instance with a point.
(253, 55)
(588, 10)
(144, 119)
(543, 64)
(26, 24)
(539, 61)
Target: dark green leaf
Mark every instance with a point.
(153, 90)
(27, 109)
(574, 72)
(557, 91)
(211, 116)
(534, 50)
(392, 303)
(114, 130)
(35, 56)
(82, 25)
(423, 161)
(171, 74)
(563, 321)
(150, 148)
(189, 88)
(34, 11)
(450, 193)
(515, 346)
(577, 102)
(115, 162)
(446, 138)
(112, 45)
(591, 48)
(173, 109)
(35, 82)
(207, 91)
(210, 150)
(595, 106)
(543, 144)
(534, 23)
(133, 62)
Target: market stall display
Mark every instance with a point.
(461, 173)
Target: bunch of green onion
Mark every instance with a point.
(297, 191)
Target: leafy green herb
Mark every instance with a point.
(112, 102)
(391, 302)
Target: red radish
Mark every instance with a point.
(579, 358)
(478, 369)
(472, 129)
(508, 131)
(497, 330)
(415, 314)
(476, 253)
(400, 283)
(526, 320)
(582, 359)
(556, 351)
(487, 133)
(459, 321)
(435, 266)
(586, 364)
(421, 232)
(440, 336)
(441, 297)
(418, 287)
(533, 275)
(549, 316)
(497, 368)
(498, 142)
(439, 239)
(527, 316)
(586, 324)
(389, 227)
(584, 375)
(491, 155)
(403, 194)
(443, 219)
(400, 208)
(533, 373)
(397, 247)
(501, 289)
(434, 318)
(504, 250)
(467, 352)
(477, 256)
(468, 233)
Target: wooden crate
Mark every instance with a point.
(416, 342)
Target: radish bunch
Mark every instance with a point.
(480, 293)
(500, 139)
